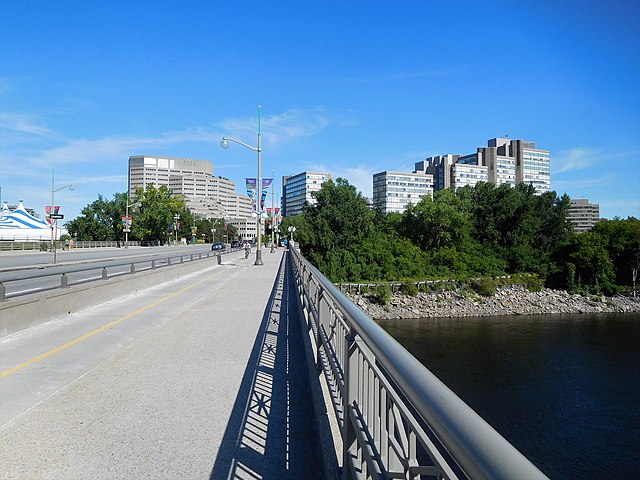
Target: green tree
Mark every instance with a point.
(517, 225)
(332, 232)
(156, 211)
(594, 270)
(621, 238)
(101, 220)
(443, 221)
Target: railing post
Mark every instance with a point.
(3, 291)
(133, 268)
(349, 395)
(64, 281)
(219, 259)
(153, 264)
(181, 259)
(104, 273)
(169, 261)
(322, 312)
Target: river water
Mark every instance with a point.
(563, 389)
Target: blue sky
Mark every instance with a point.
(351, 88)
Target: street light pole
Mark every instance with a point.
(176, 217)
(225, 144)
(54, 221)
(273, 210)
(127, 225)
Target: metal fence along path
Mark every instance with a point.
(397, 420)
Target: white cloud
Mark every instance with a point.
(83, 151)
(119, 179)
(276, 129)
(22, 124)
(361, 176)
(631, 206)
(576, 159)
(608, 179)
(581, 158)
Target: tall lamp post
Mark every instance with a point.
(127, 225)
(291, 229)
(176, 217)
(225, 144)
(54, 221)
(273, 213)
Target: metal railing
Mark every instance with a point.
(102, 267)
(396, 419)
(45, 245)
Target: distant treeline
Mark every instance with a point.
(482, 230)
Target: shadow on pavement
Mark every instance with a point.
(271, 432)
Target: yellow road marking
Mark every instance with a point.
(103, 328)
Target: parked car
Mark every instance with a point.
(235, 244)
(218, 247)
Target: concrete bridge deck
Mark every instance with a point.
(200, 378)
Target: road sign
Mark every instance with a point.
(57, 216)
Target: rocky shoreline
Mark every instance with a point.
(508, 300)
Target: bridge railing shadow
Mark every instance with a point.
(270, 433)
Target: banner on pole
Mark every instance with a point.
(126, 223)
(251, 186)
(49, 213)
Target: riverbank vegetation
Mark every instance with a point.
(481, 231)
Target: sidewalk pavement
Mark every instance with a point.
(219, 390)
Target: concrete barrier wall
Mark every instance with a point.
(23, 312)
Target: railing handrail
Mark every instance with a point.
(478, 449)
(31, 272)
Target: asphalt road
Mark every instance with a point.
(34, 258)
(14, 263)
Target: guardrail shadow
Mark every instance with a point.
(271, 433)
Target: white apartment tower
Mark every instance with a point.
(297, 190)
(394, 191)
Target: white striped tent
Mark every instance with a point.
(20, 225)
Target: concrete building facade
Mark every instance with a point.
(583, 215)
(394, 191)
(206, 195)
(502, 161)
(297, 190)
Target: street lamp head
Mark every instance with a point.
(224, 143)
(71, 187)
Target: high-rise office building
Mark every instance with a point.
(394, 191)
(583, 215)
(503, 161)
(440, 168)
(206, 195)
(297, 190)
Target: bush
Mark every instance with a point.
(409, 288)
(534, 283)
(450, 286)
(485, 287)
(383, 294)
